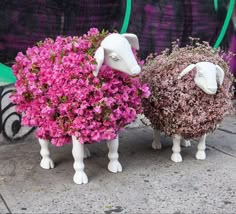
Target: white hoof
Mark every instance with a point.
(114, 166)
(201, 155)
(185, 143)
(80, 178)
(156, 145)
(176, 157)
(86, 152)
(47, 163)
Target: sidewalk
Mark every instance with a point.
(149, 183)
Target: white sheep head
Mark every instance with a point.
(207, 76)
(115, 50)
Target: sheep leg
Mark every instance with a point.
(156, 144)
(114, 165)
(176, 156)
(86, 152)
(46, 162)
(78, 153)
(201, 155)
(185, 143)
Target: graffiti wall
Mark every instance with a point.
(156, 22)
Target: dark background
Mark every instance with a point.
(156, 22)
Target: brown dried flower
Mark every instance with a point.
(178, 106)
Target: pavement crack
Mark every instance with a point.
(225, 130)
(5, 203)
(226, 153)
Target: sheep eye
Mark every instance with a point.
(114, 57)
(200, 74)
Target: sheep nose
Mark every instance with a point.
(212, 90)
(135, 70)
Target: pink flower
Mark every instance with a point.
(95, 135)
(98, 109)
(145, 90)
(93, 32)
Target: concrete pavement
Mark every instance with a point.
(149, 183)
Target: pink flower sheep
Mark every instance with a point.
(65, 90)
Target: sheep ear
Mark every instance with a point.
(186, 70)
(220, 74)
(132, 39)
(99, 56)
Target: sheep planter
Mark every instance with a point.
(189, 94)
(80, 90)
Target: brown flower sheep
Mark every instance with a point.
(190, 94)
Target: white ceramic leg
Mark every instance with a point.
(86, 152)
(156, 144)
(201, 155)
(78, 153)
(185, 143)
(176, 156)
(114, 165)
(46, 162)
